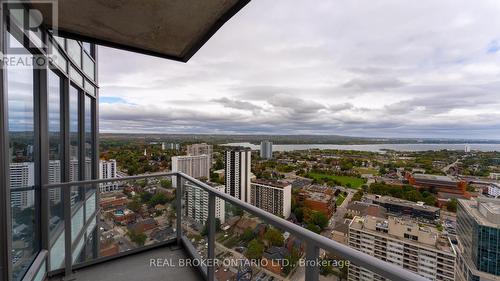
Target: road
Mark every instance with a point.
(341, 210)
(445, 169)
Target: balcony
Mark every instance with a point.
(137, 267)
(167, 239)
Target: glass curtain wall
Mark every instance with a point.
(51, 137)
(22, 163)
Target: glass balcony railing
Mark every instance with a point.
(226, 238)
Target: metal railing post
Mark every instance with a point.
(178, 208)
(312, 256)
(211, 237)
(68, 247)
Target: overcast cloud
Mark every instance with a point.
(360, 68)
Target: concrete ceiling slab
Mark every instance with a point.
(173, 29)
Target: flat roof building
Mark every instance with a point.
(437, 183)
(272, 196)
(478, 232)
(398, 206)
(196, 166)
(421, 249)
(201, 149)
(266, 150)
(197, 203)
(317, 201)
(238, 173)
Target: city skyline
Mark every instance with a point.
(182, 174)
(383, 70)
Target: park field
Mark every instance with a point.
(366, 171)
(343, 180)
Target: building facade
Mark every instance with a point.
(107, 170)
(272, 196)
(197, 203)
(436, 183)
(238, 173)
(170, 145)
(48, 131)
(266, 150)
(201, 149)
(494, 189)
(317, 201)
(478, 235)
(420, 249)
(195, 166)
(22, 180)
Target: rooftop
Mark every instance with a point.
(367, 209)
(341, 227)
(318, 196)
(276, 253)
(402, 202)
(485, 211)
(397, 228)
(273, 183)
(434, 177)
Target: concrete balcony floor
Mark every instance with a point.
(137, 268)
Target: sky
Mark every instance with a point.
(424, 69)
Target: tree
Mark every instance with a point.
(135, 205)
(142, 183)
(452, 205)
(159, 198)
(326, 269)
(247, 235)
(299, 214)
(292, 259)
(215, 178)
(205, 228)
(319, 219)
(274, 237)
(255, 249)
(219, 164)
(165, 183)
(430, 200)
(439, 227)
(414, 196)
(138, 238)
(237, 211)
(382, 171)
(357, 196)
(145, 196)
(314, 228)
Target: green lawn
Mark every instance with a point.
(366, 171)
(344, 180)
(340, 199)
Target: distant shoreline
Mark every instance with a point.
(401, 147)
(289, 139)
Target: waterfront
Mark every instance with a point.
(377, 147)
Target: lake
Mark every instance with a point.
(377, 147)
